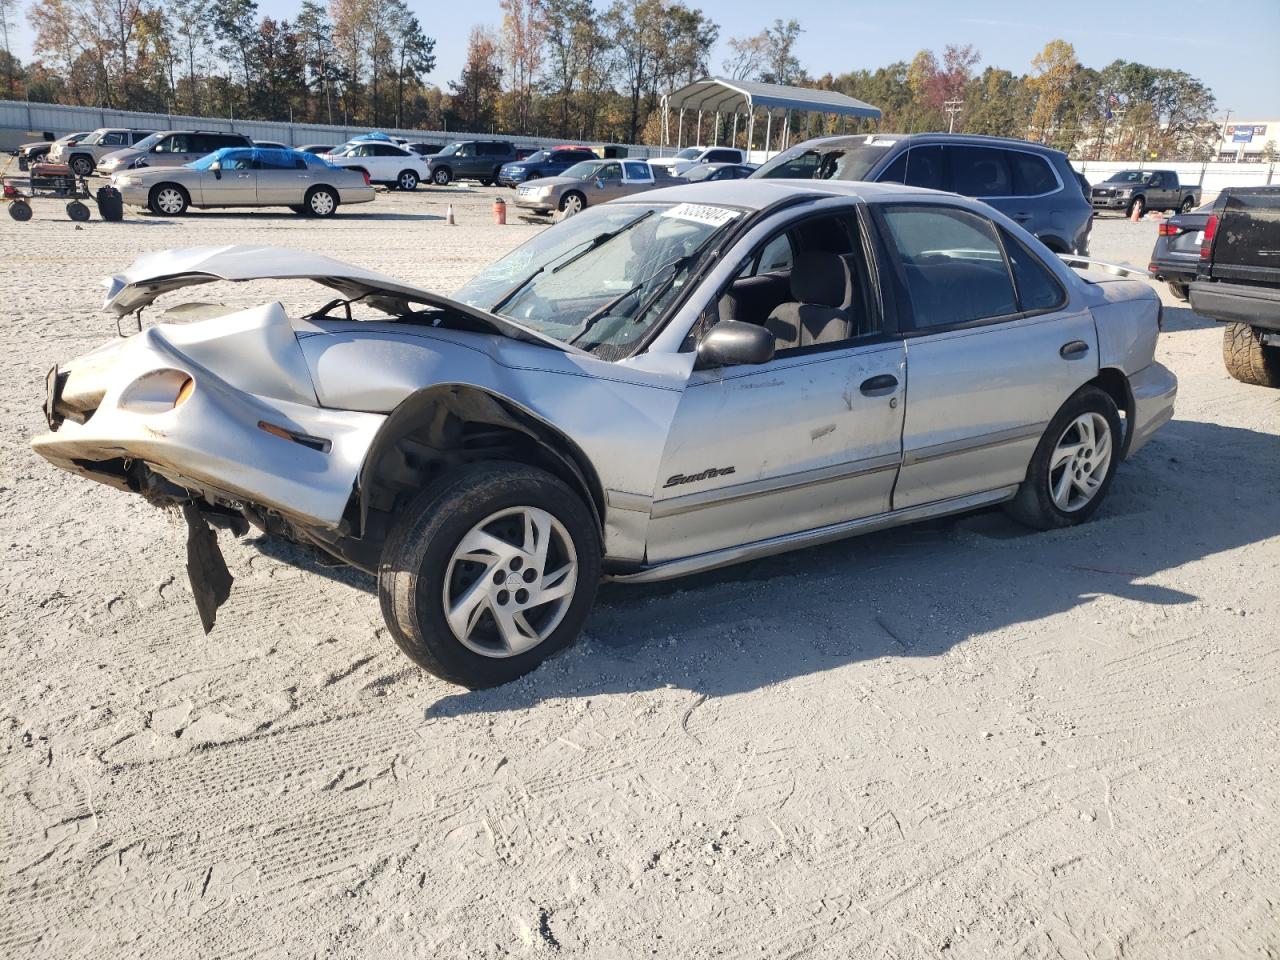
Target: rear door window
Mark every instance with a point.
(638, 170)
(1032, 175)
(113, 139)
(722, 156)
(918, 167)
(980, 172)
(953, 265)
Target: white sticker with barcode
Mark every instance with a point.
(701, 213)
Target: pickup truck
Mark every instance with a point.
(1238, 281)
(1143, 190)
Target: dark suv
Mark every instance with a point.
(544, 163)
(471, 160)
(1027, 182)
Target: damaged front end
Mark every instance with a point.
(219, 420)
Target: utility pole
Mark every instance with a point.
(1224, 132)
(952, 107)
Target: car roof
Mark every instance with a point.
(940, 137)
(758, 194)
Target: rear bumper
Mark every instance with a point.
(1256, 306)
(1154, 389)
(1180, 271)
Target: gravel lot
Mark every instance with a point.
(953, 740)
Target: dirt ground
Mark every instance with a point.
(954, 740)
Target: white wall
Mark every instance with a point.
(1213, 178)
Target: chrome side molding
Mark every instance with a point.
(1115, 269)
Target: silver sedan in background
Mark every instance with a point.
(246, 177)
(660, 385)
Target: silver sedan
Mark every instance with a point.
(658, 386)
(245, 177)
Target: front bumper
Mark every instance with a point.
(537, 204)
(1154, 389)
(1256, 306)
(133, 194)
(215, 444)
(1110, 203)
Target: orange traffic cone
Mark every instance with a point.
(1137, 213)
(448, 217)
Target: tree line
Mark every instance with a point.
(572, 69)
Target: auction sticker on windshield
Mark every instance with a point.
(701, 213)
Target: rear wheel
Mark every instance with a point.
(321, 202)
(1073, 465)
(1248, 359)
(408, 180)
(1187, 205)
(492, 569)
(20, 210)
(1179, 290)
(169, 199)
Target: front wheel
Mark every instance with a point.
(321, 202)
(490, 571)
(81, 166)
(1073, 465)
(1247, 358)
(169, 199)
(442, 176)
(573, 203)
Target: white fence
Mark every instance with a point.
(21, 121)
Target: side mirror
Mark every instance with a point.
(216, 167)
(731, 343)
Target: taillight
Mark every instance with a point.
(1210, 229)
(365, 174)
(1169, 230)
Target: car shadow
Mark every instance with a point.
(289, 215)
(915, 591)
(1178, 319)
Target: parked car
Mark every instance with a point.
(425, 149)
(29, 153)
(1141, 190)
(318, 148)
(272, 144)
(1029, 182)
(384, 162)
(589, 183)
(83, 157)
(1176, 256)
(544, 163)
(707, 172)
(1238, 281)
(245, 177)
(490, 456)
(690, 157)
(471, 160)
(170, 148)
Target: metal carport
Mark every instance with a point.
(717, 96)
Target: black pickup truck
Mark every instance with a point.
(1144, 190)
(1238, 281)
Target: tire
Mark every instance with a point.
(20, 210)
(1248, 359)
(1188, 205)
(81, 165)
(298, 209)
(1040, 501)
(1139, 204)
(77, 211)
(441, 176)
(422, 569)
(321, 202)
(486, 182)
(169, 199)
(573, 202)
(1179, 290)
(407, 180)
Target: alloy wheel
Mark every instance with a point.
(1081, 459)
(572, 204)
(510, 582)
(169, 200)
(408, 181)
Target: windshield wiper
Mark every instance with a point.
(674, 266)
(591, 244)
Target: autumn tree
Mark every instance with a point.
(476, 91)
(523, 40)
(1054, 68)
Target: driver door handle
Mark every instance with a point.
(1074, 350)
(879, 386)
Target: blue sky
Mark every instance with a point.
(1234, 51)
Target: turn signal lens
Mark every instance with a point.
(184, 391)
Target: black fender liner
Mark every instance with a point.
(433, 414)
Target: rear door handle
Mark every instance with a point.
(879, 386)
(1074, 350)
(1022, 217)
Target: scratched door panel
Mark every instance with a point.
(756, 452)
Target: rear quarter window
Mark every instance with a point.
(1038, 288)
(1032, 175)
